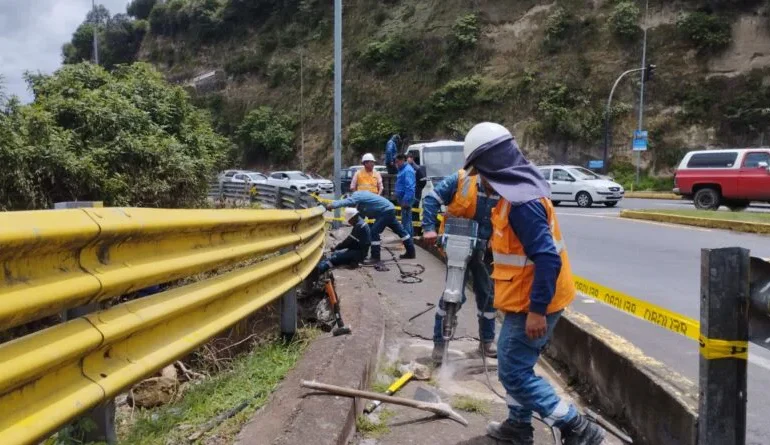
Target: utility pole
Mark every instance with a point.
(607, 117)
(96, 31)
(302, 110)
(337, 102)
(641, 90)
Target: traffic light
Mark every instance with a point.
(649, 72)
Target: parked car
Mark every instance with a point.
(732, 177)
(247, 177)
(294, 180)
(580, 185)
(324, 185)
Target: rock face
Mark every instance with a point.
(155, 391)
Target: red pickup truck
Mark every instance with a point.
(733, 177)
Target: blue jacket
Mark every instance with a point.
(360, 239)
(406, 183)
(444, 193)
(391, 151)
(367, 203)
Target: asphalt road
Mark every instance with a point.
(659, 263)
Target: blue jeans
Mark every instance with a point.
(388, 219)
(406, 219)
(485, 298)
(340, 258)
(527, 392)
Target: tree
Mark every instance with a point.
(125, 138)
(267, 133)
(98, 16)
(119, 40)
(141, 9)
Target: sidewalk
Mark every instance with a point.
(412, 341)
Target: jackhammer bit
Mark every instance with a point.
(458, 241)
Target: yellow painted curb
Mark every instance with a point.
(652, 195)
(709, 223)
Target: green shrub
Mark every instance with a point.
(140, 9)
(455, 95)
(708, 32)
(371, 133)
(556, 28)
(265, 132)
(623, 19)
(567, 112)
(465, 31)
(382, 55)
(245, 63)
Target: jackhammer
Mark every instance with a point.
(458, 242)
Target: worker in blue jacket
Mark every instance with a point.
(475, 199)
(406, 183)
(384, 214)
(353, 249)
(391, 150)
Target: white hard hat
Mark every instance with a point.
(367, 157)
(350, 212)
(481, 134)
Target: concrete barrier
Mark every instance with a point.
(656, 404)
(652, 195)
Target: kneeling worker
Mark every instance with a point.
(468, 197)
(533, 285)
(354, 248)
(384, 214)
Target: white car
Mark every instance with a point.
(324, 185)
(249, 178)
(577, 184)
(295, 180)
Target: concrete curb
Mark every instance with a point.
(658, 405)
(722, 224)
(652, 195)
(290, 418)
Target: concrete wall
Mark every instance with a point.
(656, 405)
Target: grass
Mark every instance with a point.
(380, 386)
(754, 217)
(471, 404)
(376, 426)
(252, 378)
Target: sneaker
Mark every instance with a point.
(438, 352)
(407, 256)
(512, 432)
(488, 349)
(581, 431)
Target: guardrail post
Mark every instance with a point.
(724, 349)
(103, 415)
(288, 310)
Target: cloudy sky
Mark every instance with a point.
(32, 33)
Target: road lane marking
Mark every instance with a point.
(618, 218)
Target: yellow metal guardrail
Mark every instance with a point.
(55, 260)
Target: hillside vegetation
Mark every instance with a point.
(432, 68)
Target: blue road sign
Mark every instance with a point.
(595, 164)
(640, 140)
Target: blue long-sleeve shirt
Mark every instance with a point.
(444, 193)
(529, 222)
(360, 238)
(406, 183)
(391, 151)
(367, 203)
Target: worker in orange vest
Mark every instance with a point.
(533, 285)
(367, 179)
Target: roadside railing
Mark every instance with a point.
(56, 260)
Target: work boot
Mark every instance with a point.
(512, 432)
(581, 431)
(438, 352)
(488, 349)
(410, 252)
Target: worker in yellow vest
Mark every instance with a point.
(533, 285)
(473, 198)
(367, 179)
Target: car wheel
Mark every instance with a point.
(584, 199)
(738, 206)
(555, 203)
(707, 199)
(611, 204)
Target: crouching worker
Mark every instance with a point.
(354, 248)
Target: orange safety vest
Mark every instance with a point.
(368, 181)
(514, 273)
(464, 201)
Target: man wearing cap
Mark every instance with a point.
(367, 178)
(354, 248)
(384, 214)
(533, 284)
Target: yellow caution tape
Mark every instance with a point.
(654, 314)
(713, 349)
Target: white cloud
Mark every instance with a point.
(32, 33)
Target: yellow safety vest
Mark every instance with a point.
(464, 201)
(514, 273)
(368, 181)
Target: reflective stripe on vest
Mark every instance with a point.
(464, 201)
(510, 259)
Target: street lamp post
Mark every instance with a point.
(337, 102)
(607, 117)
(302, 110)
(641, 89)
(96, 30)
